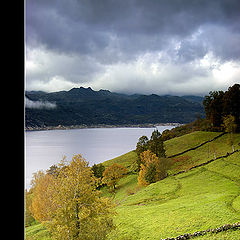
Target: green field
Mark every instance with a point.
(199, 199)
(202, 198)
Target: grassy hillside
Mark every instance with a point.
(199, 199)
(203, 198)
(216, 148)
(180, 144)
(127, 160)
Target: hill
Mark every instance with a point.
(84, 106)
(202, 198)
(205, 197)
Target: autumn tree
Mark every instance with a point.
(148, 168)
(155, 145)
(42, 205)
(29, 219)
(53, 170)
(113, 174)
(78, 211)
(152, 168)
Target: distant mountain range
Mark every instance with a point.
(80, 106)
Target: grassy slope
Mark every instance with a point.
(204, 153)
(180, 144)
(125, 160)
(37, 232)
(206, 197)
(202, 198)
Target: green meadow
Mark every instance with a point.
(199, 199)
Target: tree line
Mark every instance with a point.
(220, 105)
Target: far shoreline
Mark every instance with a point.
(84, 126)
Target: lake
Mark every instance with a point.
(45, 148)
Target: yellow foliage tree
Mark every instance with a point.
(77, 211)
(152, 168)
(141, 176)
(42, 202)
(29, 219)
(147, 159)
(112, 175)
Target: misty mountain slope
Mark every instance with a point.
(86, 106)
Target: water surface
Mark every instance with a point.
(45, 148)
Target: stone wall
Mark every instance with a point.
(226, 227)
(198, 146)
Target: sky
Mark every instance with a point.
(176, 47)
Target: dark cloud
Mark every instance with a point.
(99, 34)
(88, 26)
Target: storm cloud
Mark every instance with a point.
(134, 46)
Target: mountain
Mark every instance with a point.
(194, 98)
(85, 106)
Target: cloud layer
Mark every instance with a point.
(39, 104)
(175, 47)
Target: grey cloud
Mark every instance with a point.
(82, 40)
(86, 26)
(224, 42)
(221, 41)
(48, 64)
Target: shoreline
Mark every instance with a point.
(84, 126)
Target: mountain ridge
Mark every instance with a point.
(86, 106)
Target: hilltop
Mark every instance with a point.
(84, 106)
(201, 192)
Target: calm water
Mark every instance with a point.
(45, 148)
